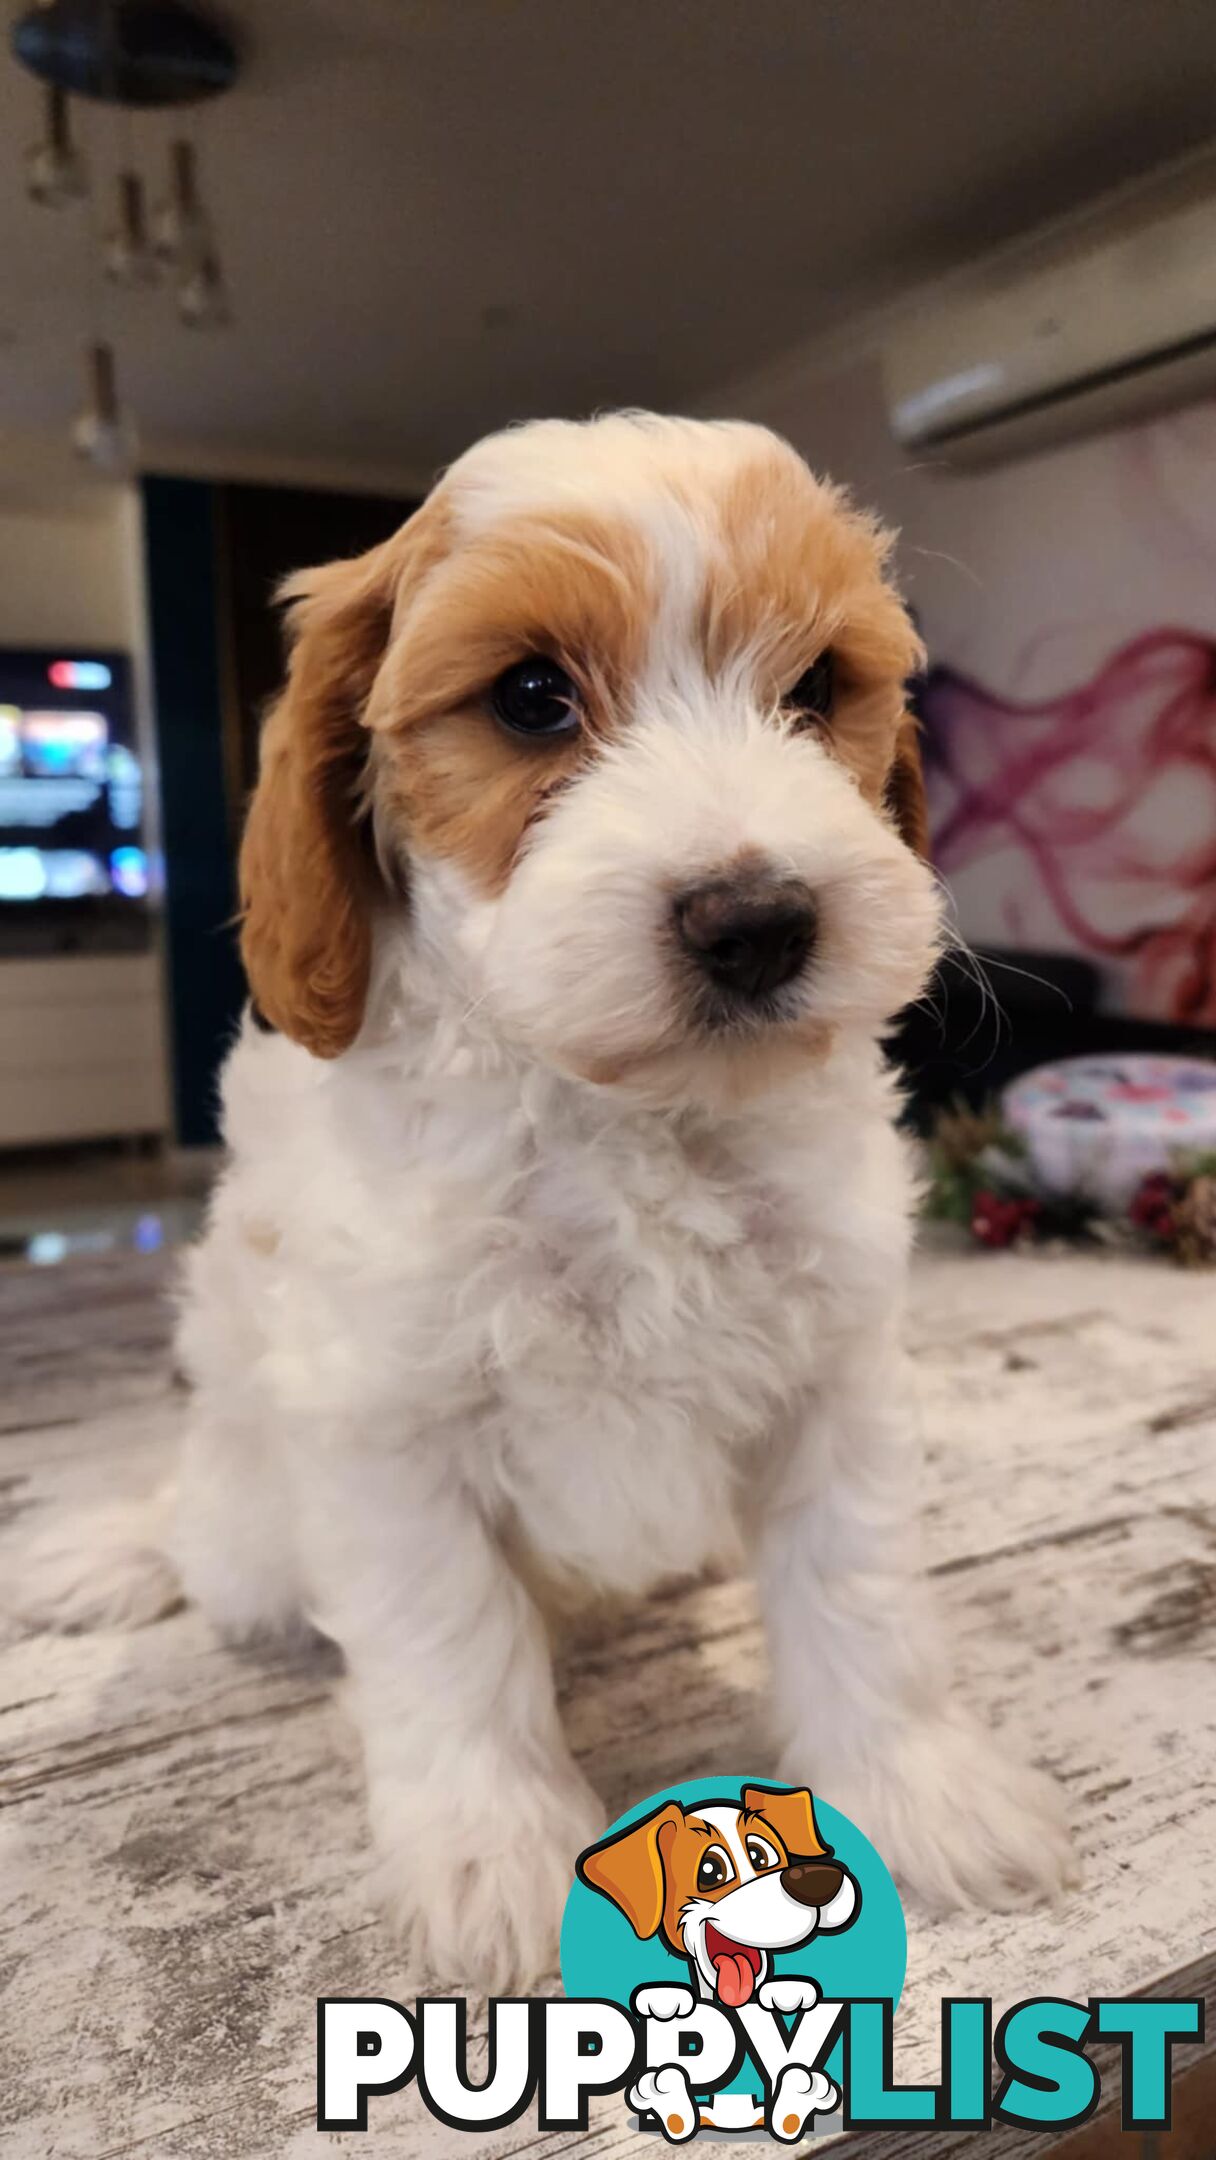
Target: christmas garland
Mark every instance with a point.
(981, 1176)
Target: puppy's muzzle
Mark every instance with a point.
(748, 932)
(812, 1882)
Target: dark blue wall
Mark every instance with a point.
(205, 983)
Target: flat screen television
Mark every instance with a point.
(71, 787)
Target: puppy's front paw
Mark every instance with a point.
(666, 2094)
(476, 1882)
(799, 2094)
(955, 1820)
(102, 1569)
(661, 2001)
(787, 1993)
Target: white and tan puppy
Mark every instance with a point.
(726, 1884)
(564, 1234)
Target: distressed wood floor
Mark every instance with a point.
(182, 1847)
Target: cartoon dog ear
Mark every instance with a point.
(905, 789)
(628, 1868)
(791, 1815)
(308, 879)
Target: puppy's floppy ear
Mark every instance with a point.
(306, 875)
(628, 1868)
(905, 789)
(791, 1815)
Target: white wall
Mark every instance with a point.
(64, 575)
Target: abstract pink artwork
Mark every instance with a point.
(1086, 823)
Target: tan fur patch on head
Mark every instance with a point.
(578, 589)
(802, 572)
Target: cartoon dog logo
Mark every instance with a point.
(726, 1884)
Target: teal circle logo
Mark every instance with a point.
(732, 1889)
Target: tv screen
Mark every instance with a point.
(71, 789)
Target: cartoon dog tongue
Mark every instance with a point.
(736, 1977)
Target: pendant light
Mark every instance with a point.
(54, 169)
(180, 228)
(202, 297)
(103, 434)
(126, 253)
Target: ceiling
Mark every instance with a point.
(437, 215)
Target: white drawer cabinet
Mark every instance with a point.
(82, 1048)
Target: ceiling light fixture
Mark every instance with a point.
(181, 231)
(134, 54)
(182, 236)
(103, 433)
(126, 253)
(126, 52)
(54, 169)
(202, 297)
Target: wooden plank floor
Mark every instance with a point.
(182, 1846)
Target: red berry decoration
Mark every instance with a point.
(997, 1220)
(1152, 1207)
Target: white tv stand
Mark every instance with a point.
(82, 1047)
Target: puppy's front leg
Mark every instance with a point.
(862, 1688)
(477, 1808)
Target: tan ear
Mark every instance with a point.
(628, 1869)
(906, 789)
(791, 1815)
(306, 873)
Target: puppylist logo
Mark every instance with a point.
(733, 1954)
(724, 1891)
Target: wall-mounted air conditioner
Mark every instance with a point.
(1078, 330)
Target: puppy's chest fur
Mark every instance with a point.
(653, 1308)
(631, 1257)
(603, 1317)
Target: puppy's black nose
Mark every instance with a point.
(750, 932)
(812, 1882)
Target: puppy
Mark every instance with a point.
(725, 1885)
(564, 1234)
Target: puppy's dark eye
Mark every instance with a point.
(761, 1855)
(713, 1871)
(536, 697)
(812, 694)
